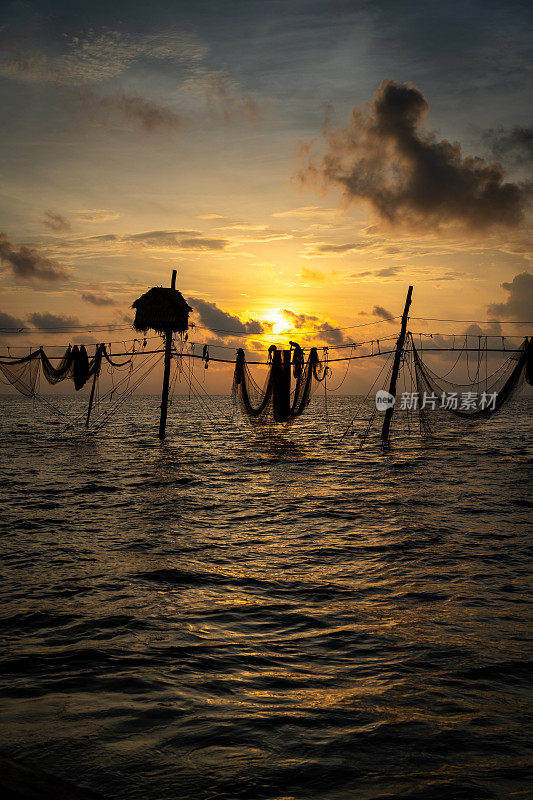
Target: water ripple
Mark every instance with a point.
(267, 618)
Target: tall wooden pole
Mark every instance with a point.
(91, 398)
(97, 365)
(166, 373)
(395, 368)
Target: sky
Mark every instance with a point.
(299, 163)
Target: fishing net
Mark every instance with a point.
(482, 396)
(23, 373)
(275, 402)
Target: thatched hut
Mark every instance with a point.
(161, 310)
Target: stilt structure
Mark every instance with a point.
(166, 312)
(166, 372)
(385, 431)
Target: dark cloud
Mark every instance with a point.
(30, 264)
(313, 327)
(52, 322)
(382, 313)
(13, 324)
(519, 304)
(515, 144)
(408, 177)
(329, 334)
(98, 299)
(122, 110)
(220, 321)
(299, 321)
(56, 222)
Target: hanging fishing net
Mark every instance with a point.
(23, 373)
(276, 402)
(479, 398)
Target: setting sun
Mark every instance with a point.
(278, 320)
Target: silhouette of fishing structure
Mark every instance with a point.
(293, 373)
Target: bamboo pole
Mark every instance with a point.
(385, 431)
(166, 373)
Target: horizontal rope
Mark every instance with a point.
(140, 338)
(7, 359)
(468, 335)
(244, 334)
(236, 334)
(296, 331)
(479, 321)
(466, 350)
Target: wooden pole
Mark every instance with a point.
(91, 398)
(166, 373)
(286, 385)
(395, 368)
(97, 363)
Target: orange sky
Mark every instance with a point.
(287, 183)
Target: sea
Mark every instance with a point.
(267, 614)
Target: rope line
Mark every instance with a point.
(240, 334)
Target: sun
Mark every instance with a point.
(278, 321)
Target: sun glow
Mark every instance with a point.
(278, 321)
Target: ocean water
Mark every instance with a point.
(283, 617)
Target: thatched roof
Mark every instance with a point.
(161, 310)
